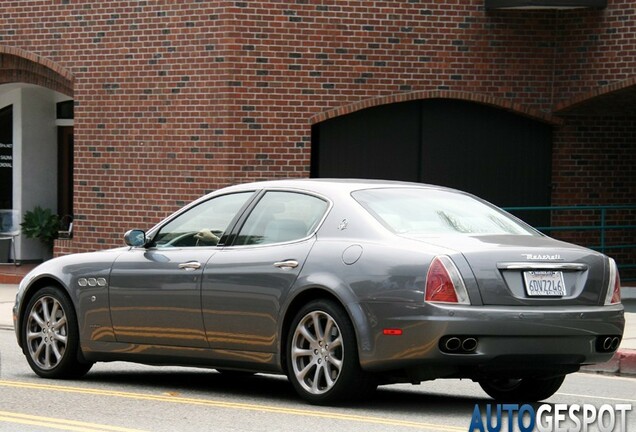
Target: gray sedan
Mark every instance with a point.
(341, 285)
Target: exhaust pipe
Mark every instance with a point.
(453, 344)
(607, 343)
(458, 344)
(615, 343)
(469, 344)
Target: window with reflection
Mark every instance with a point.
(282, 217)
(203, 225)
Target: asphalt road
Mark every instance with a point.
(127, 397)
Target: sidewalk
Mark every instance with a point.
(623, 362)
(7, 297)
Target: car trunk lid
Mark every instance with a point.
(531, 270)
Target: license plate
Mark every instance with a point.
(544, 283)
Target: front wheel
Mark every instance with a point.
(50, 336)
(322, 355)
(521, 389)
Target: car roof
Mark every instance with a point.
(331, 185)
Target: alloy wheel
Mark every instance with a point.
(47, 332)
(317, 352)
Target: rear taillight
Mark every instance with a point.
(614, 287)
(444, 283)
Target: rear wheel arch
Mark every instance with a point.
(321, 353)
(298, 302)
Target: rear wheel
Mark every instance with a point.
(521, 389)
(322, 356)
(51, 337)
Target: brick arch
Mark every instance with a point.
(617, 92)
(20, 66)
(438, 94)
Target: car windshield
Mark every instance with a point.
(427, 212)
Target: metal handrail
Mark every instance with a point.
(603, 227)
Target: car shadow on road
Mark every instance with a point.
(272, 389)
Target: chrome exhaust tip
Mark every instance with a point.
(458, 344)
(453, 344)
(616, 341)
(469, 344)
(607, 343)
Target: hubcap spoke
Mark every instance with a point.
(56, 352)
(60, 338)
(299, 352)
(36, 317)
(54, 311)
(336, 363)
(328, 329)
(38, 351)
(305, 333)
(45, 309)
(317, 329)
(315, 385)
(336, 343)
(59, 323)
(32, 335)
(302, 373)
(47, 356)
(328, 375)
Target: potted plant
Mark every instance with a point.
(41, 224)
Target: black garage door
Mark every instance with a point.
(500, 156)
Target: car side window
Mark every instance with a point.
(282, 217)
(202, 225)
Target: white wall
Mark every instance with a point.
(12, 95)
(34, 156)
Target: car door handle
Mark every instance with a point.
(189, 266)
(286, 265)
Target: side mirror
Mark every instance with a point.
(135, 238)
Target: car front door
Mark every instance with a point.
(155, 291)
(243, 284)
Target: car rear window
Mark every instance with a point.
(429, 212)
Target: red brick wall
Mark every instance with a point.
(174, 99)
(594, 163)
(595, 48)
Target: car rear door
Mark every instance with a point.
(244, 284)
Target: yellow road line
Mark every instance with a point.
(61, 424)
(237, 406)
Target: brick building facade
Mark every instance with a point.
(174, 99)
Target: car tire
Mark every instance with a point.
(322, 355)
(50, 336)
(522, 389)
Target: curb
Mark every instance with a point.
(10, 279)
(622, 363)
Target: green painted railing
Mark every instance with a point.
(628, 249)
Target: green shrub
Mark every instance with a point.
(42, 224)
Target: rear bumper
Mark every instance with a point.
(509, 340)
